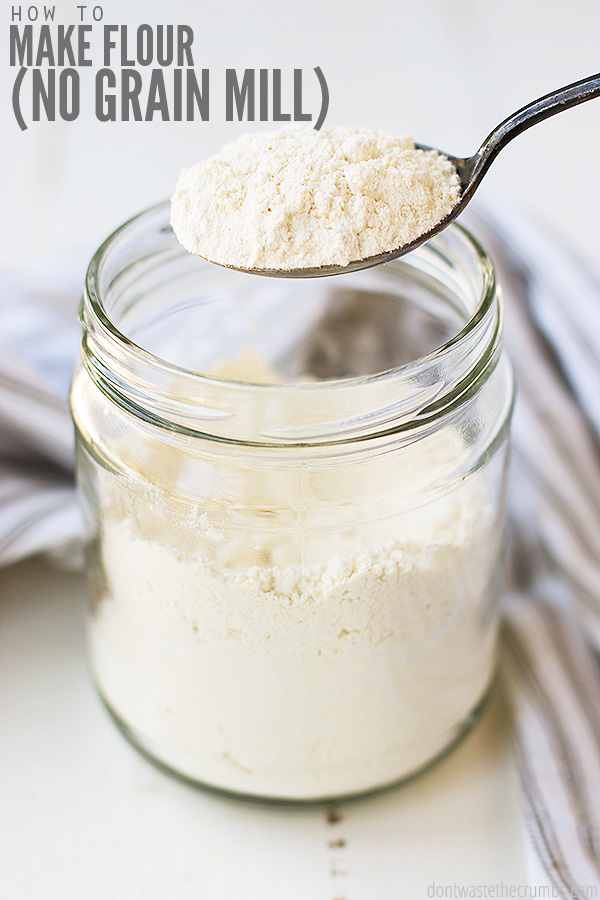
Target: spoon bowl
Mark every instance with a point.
(470, 171)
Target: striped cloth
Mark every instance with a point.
(552, 605)
(39, 337)
(551, 634)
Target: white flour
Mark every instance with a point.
(292, 680)
(296, 198)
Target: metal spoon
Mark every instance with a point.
(470, 172)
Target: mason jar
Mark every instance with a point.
(294, 491)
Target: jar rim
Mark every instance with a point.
(484, 323)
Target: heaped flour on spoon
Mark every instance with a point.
(298, 198)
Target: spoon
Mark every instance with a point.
(470, 171)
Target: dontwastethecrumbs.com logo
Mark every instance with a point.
(512, 891)
(141, 74)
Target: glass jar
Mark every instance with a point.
(295, 497)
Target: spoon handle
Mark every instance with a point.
(524, 118)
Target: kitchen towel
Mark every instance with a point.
(39, 337)
(551, 632)
(551, 637)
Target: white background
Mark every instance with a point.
(81, 815)
(445, 71)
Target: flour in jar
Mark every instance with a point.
(249, 665)
(297, 198)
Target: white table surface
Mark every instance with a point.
(84, 817)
